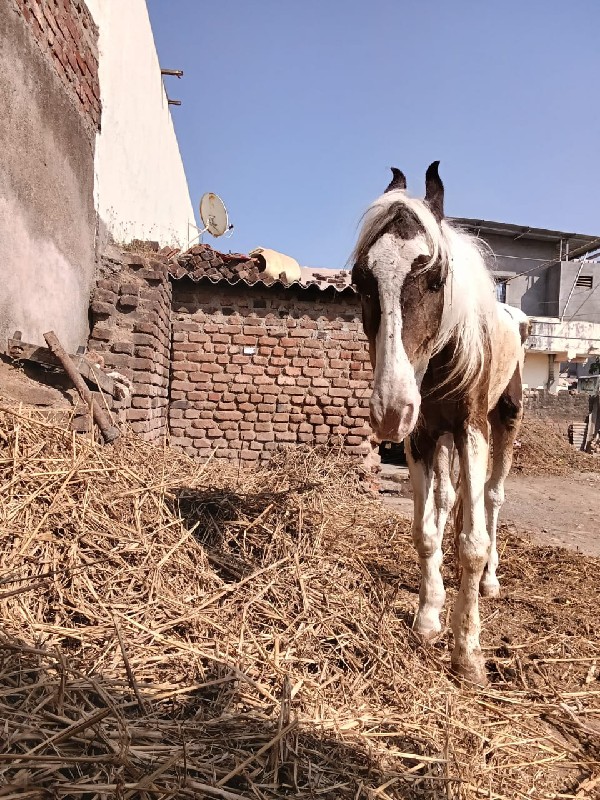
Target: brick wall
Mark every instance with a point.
(66, 33)
(561, 407)
(254, 367)
(131, 329)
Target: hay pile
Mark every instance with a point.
(542, 448)
(170, 630)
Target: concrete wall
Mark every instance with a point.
(584, 304)
(567, 339)
(141, 190)
(48, 84)
(531, 292)
(544, 290)
(536, 371)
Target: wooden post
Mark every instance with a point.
(101, 417)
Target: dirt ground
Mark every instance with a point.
(554, 510)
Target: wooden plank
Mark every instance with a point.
(101, 416)
(19, 350)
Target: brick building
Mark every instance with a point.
(226, 359)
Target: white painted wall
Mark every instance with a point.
(140, 188)
(535, 371)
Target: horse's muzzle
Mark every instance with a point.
(393, 424)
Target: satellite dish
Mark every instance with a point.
(214, 214)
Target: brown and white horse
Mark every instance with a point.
(447, 361)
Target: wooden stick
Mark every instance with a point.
(101, 418)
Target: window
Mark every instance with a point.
(501, 290)
(585, 281)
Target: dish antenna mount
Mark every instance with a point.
(214, 216)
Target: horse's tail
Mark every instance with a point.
(457, 519)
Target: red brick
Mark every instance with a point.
(212, 368)
(244, 340)
(364, 413)
(285, 436)
(228, 415)
(203, 424)
(263, 427)
(365, 432)
(354, 440)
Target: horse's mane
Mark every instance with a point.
(469, 297)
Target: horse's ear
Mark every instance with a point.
(434, 191)
(398, 180)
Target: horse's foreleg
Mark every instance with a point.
(426, 535)
(504, 432)
(474, 543)
(445, 494)
(505, 420)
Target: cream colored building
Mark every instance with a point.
(553, 342)
(140, 187)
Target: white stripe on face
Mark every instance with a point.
(395, 400)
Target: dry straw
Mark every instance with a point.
(175, 630)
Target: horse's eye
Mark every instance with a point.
(435, 285)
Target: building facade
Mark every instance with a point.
(554, 277)
(89, 154)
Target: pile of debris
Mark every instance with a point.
(543, 449)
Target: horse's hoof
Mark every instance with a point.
(471, 669)
(427, 628)
(489, 588)
(427, 636)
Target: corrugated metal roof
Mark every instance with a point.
(203, 263)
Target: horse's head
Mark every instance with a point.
(400, 268)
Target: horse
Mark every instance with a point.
(447, 362)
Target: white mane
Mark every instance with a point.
(470, 306)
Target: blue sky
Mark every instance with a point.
(293, 111)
